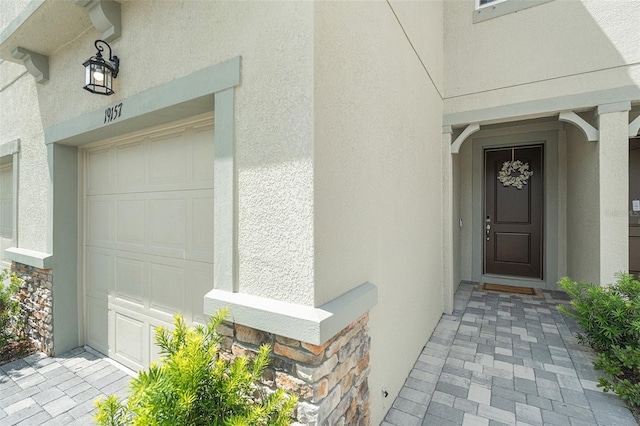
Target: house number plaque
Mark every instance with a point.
(112, 113)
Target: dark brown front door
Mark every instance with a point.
(634, 206)
(513, 211)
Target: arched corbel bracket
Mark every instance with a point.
(589, 131)
(36, 64)
(468, 131)
(634, 128)
(105, 17)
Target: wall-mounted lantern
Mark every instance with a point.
(99, 73)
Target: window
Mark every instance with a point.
(489, 9)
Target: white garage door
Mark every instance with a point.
(148, 249)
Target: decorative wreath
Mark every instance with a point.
(506, 174)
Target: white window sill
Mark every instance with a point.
(494, 10)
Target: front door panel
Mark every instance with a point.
(513, 212)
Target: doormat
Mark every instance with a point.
(510, 289)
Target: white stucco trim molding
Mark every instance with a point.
(634, 128)
(37, 259)
(589, 131)
(494, 10)
(35, 63)
(468, 131)
(299, 322)
(10, 148)
(105, 17)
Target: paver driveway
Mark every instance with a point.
(39, 390)
(505, 359)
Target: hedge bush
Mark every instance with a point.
(610, 318)
(11, 320)
(192, 385)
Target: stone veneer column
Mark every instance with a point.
(330, 380)
(36, 300)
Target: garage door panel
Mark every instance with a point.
(166, 219)
(200, 228)
(167, 160)
(98, 171)
(96, 323)
(168, 286)
(130, 280)
(130, 166)
(130, 221)
(130, 339)
(99, 273)
(200, 279)
(100, 227)
(202, 151)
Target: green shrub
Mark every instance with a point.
(610, 318)
(10, 315)
(192, 385)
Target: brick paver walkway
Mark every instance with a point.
(499, 359)
(43, 391)
(505, 359)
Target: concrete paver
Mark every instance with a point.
(498, 359)
(41, 390)
(505, 359)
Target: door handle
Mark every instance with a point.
(488, 226)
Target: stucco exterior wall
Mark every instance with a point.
(377, 174)
(583, 219)
(11, 9)
(162, 41)
(466, 210)
(554, 49)
(20, 119)
(613, 163)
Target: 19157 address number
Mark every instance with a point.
(112, 113)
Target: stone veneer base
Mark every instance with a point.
(36, 300)
(331, 380)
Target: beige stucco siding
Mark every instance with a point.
(20, 119)
(559, 48)
(377, 175)
(163, 41)
(11, 9)
(583, 219)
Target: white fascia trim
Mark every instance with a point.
(37, 259)
(541, 107)
(9, 148)
(614, 107)
(499, 8)
(299, 322)
(14, 25)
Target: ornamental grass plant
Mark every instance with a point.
(10, 318)
(610, 318)
(192, 385)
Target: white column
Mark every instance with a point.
(613, 156)
(447, 226)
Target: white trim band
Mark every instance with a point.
(37, 259)
(299, 322)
